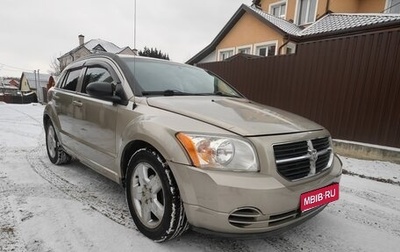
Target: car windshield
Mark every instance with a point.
(157, 77)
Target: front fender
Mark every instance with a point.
(146, 125)
(157, 133)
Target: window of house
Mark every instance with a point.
(290, 48)
(392, 6)
(267, 49)
(72, 80)
(225, 53)
(244, 49)
(99, 48)
(278, 9)
(306, 11)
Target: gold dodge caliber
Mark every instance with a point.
(190, 150)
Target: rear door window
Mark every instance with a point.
(72, 80)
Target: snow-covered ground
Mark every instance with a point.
(44, 207)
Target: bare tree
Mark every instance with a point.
(55, 68)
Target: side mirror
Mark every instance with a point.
(104, 91)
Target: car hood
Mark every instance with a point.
(236, 115)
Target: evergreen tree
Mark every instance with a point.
(153, 53)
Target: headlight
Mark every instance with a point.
(225, 153)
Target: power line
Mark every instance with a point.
(13, 68)
(388, 8)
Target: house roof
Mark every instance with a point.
(32, 79)
(337, 22)
(9, 81)
(9, 87)
(329, 24)
(94, 45)
(225, 30)
(281, 24)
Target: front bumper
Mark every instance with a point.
(245, 204)
(300, 218)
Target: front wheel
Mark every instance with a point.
(55, 152)
(153, 197)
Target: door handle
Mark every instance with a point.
(76, 103)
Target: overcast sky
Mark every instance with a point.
(33, 32)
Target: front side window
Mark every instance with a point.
(392, 6)
(96, 74)
(278, 9)
(306, 11)
(72, 80)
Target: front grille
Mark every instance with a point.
(303, 159)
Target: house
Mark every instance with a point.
(8, 87)
(90, 47)
(10, 82)
(273, 27)
(35, 82)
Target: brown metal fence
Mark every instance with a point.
(20, 99)
(350, 85)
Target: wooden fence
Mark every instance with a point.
(350, 85)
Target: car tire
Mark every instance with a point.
(54, 150)
(153, 197)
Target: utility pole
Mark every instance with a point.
(39, 88)
(34, 72)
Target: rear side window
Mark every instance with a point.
(96, 74)
(72, 80)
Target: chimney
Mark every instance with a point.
(81, 39)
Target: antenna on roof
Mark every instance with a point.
(134, 27)
(135, 52)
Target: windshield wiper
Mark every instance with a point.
(167, 92)
(170, 92)
(219, 93)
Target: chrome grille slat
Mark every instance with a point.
(293, 159)
(247, 215)
(263, 221)
(243, 222)
(260, 220)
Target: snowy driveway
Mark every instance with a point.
(44, 207)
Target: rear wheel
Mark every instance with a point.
(153, 197)
(54, 150)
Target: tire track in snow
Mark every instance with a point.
(387, 181)
(35, 158)
(369, 208)
(112, 211)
